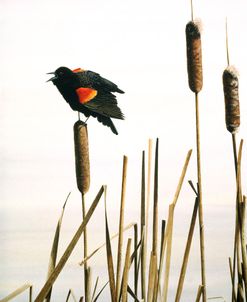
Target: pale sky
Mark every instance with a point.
(139, 45)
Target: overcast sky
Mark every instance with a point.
(139, 45)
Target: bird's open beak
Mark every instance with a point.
(53, 78)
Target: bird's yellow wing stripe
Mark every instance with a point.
(85, 94)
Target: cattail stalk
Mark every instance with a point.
(241, 209)
(201, 223)
(232, 120)
(195, 75)
(83, 182)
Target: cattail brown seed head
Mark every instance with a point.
(232, 109)
(82, 164)
(194, 55)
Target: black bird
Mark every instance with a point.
(89, 93)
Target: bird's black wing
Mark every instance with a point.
(94, 80)
(105, 104)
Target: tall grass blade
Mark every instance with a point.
(152, 277)
(144, 245)
(100, 292)
(85, 248)
(47, 286)
(170, 222)
(143, 214)
(110, 259)
(71, 294)
(19, 291)
(121, 223)
(232, 279)
(133, 295)
(155, 204)
(127, 227)
(241, 211)
(199, 293)
(54, 249)
(94, 289)
(126, 272)
(168, 251)
(135, 258)
(186, 253)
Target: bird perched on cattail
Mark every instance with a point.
(89, 93)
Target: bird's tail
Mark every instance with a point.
(107, 122)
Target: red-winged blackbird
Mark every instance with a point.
(89, 93)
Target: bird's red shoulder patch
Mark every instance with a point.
(85, 94)
(78, 70)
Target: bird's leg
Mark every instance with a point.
(87, 119)
(79, 117)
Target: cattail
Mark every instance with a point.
(82, 164)
(232, 111)
(194, 55)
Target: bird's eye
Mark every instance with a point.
(60, 73)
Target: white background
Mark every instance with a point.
(140, 45)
